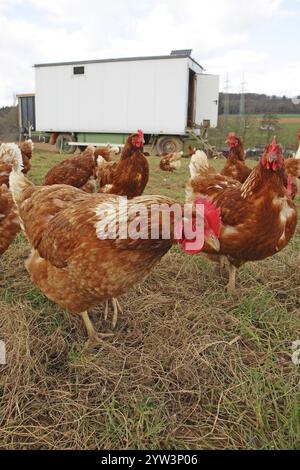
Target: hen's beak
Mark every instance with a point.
(272, 158)
(213, 242)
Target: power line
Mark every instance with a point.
(243, 97)
(226, 95)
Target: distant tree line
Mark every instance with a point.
(260, 104)
(9, 127)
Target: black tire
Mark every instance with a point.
(169, 144)
(62, 144)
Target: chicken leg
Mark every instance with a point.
(94, 337)
(116, 310)
(232, 277)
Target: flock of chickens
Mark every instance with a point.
(249, 215)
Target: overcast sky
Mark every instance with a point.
(255, 38)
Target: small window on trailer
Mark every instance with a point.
(78, 70)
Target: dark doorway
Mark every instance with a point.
(27, 104)
(191, 99)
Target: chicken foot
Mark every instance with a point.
(94, 337)
(116, 310)
(232, 270)
(222, 265)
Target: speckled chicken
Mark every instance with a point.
(79, 256)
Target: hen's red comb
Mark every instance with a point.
(140, 133)
(273, 148)
(232, 140)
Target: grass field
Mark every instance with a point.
(287, 132)
(282, 116)
(189, 367)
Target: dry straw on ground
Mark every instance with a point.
(189, 367)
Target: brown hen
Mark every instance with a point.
(9, 222)
(258, 217)
(103, 152)
(77, 259)
(130, 175)
(78, 171)
(235, 166)
(170, 162)
(6, 159)
(26, 148)
(292, 168)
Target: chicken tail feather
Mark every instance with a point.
(176, 165)
(17, 184)
(199, 162)
(100, 161)
(10, 153)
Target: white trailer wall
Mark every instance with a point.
(207, 99)
(113, 97)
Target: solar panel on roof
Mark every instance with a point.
(186, 52)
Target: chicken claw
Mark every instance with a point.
(106, 310)
(94, 337)
(116, 310)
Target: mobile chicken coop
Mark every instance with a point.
(103, 101)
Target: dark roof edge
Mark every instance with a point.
(127, 59)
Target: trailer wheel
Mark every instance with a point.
(169, 144)
(62, 144)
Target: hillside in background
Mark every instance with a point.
(260, 104)
(258, 130)
(9, 128)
